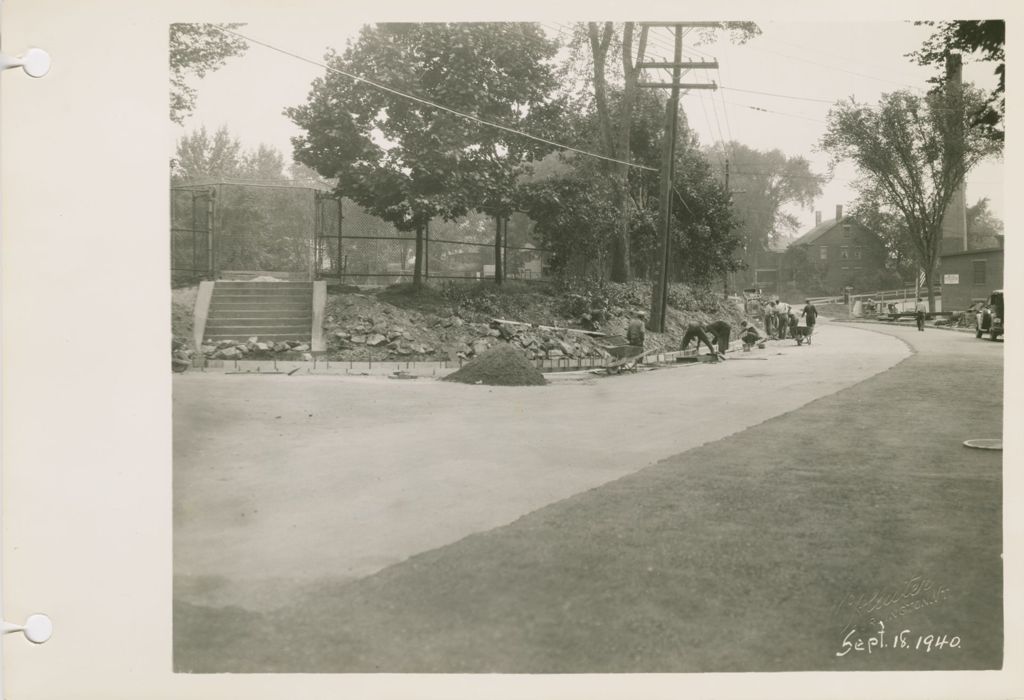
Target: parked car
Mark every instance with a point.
(992, 316)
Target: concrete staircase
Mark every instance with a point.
(271, 311)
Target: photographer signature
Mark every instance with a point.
(889, 604)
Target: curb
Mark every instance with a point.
(892, 324)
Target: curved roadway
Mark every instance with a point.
(279, 481)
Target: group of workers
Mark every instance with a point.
(780, 321)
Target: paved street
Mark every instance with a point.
(699, 562)
(280, 481)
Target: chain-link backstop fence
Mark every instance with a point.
(226, 227)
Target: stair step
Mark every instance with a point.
(246, 326)
(226, 314)
(263, 338)
(262, 289)
(256, 298)
(297, 292)
(268, 305)
(254, 322)
(248, 275)
(241, 284)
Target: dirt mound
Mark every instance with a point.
(502, 365)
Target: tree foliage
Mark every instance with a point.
(983, 227)
(408, 162)
(764, 184)
(576, 206)
(200, 156)
(195, 50)
(913, 153)
(981, 39)
(616, 55)
(575, 215)
(706, 239)
(892, 229)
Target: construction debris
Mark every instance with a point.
(502, 365)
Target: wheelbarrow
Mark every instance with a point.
(624, 356)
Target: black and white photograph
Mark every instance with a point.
(587, 346)
(580, 351)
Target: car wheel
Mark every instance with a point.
(992, 335)
(977, 331)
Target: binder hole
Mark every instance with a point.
(38, 628)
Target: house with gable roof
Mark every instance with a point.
(843, 253)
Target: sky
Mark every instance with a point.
(806, 67)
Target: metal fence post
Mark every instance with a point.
(211, 211)
(341, 216)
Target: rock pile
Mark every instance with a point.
(361, 327)
(252, 348)
(502, 365)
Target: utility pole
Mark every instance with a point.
(659, 296)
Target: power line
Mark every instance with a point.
(725, 112)
(772, 111)
(434, 105)
(711, 131)
(835, 68)
(788, 176)
(775, 94)
(829, 54)
(718, 123)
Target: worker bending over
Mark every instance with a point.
(750, 336)
(719, 330)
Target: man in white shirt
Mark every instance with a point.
(921, 309)
(783, 310)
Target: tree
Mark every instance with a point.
(764, 184)
(705, 237)
(615, 124)
(258, 228)
(574, 214)
(892, 229)
(408, 162)
(198, 155)
(197, 49)
(574, 204)
(202, 157)
(913, 153)
(703, 232)
(983, 227)
(264, 163)
(984, 39)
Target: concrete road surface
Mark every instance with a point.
(279, 481)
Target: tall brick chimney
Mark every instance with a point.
(817, 218)
(954, 221)
(839, 212)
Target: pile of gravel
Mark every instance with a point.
(502, 365)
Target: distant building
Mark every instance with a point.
(836, 254)
(968, 276)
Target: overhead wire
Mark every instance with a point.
(428, 103)
(830, 54)
(776, 94)
(772, 111)
(835, 68)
